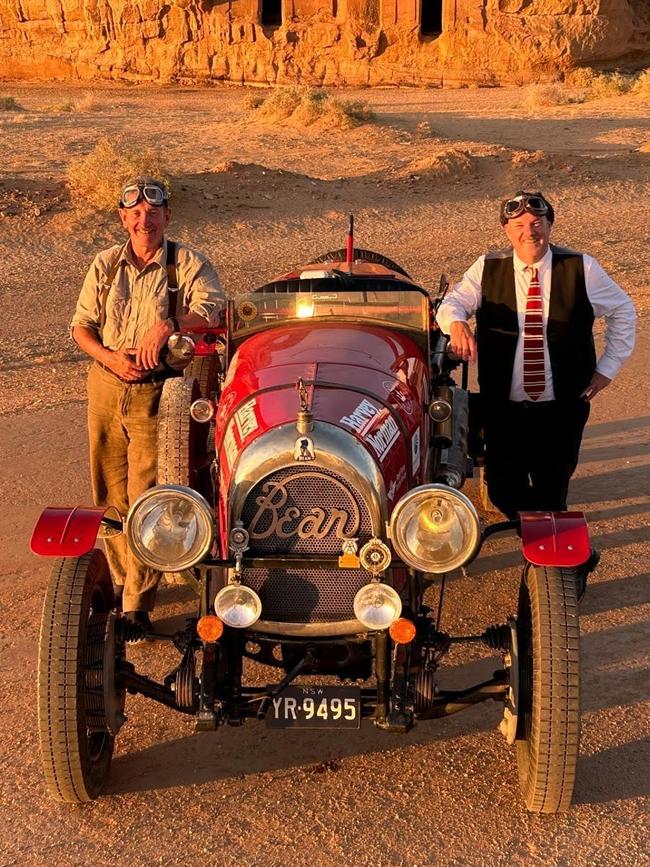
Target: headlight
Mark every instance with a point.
(170, 528)
(238, 606)
(377, 605)
(434, 528)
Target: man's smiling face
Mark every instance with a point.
(146, 225)
(529, 236)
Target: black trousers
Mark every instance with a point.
(531, 452)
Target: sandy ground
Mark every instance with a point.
(258, 199)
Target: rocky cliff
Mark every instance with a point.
(319, 41)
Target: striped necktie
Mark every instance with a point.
(534, 376)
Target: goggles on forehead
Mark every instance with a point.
(533, 204)
(151, 193)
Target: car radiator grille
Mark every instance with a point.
(297, 511)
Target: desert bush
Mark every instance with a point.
(610, 84)
(642, 85)
(445, 163)
(304, 106)
(581, 78)
(253, 100)
(352, 112)
(9, 103)
(98, 177)
(87, 102)
(544, 95)
(61, 107)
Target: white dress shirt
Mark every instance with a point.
(605, 296)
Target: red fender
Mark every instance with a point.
(555, 538)
(206, 339)
(65, 532)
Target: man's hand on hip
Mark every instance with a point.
(148, 350)
(123, 365)
(462, 340)
(598, 383)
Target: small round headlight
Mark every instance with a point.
(238, 606)
(170, 528)
(377, 605)
(202, 410)
(434, 528)
(180, 351)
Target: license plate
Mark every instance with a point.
(316, 707)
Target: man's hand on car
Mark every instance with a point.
(147, 352)
(462, 341)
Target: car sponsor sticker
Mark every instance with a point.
(230, 446)
(383, 439)
(246, 419)
(359, 417)
(415, 452)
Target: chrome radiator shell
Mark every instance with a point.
(345, 474)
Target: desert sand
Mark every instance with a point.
(423, 182)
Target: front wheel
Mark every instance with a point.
(73, 697)
(182, 442)
(548, 731)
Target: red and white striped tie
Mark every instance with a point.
(534, 375)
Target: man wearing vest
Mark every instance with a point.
(134, 297)
(535, 305)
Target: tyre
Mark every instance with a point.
(76, 747)
(182, 442)
(205, 370)
(548, 727)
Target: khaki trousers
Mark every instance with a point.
(122, 432)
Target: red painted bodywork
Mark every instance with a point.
(555, 538)
(207, 339)
(342, 365)
(66, 532)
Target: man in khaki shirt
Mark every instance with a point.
(122, 322)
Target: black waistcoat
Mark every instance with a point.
(568, 330)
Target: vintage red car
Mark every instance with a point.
(311, 522)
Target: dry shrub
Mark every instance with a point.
(581, 78)
(253, 100)
(61, 107)
(521, 159)
(9, 103)
(345, 113)
(642, 85)
(227, 166)
(305, 106)
(609, 85)
(544, 95)
(448, 163)
(87, 102)
(98, 177)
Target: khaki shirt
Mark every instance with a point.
(138, 299)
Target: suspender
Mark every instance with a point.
(172, 284)
(172, 280)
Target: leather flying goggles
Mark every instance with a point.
(516, 207)
(151, 193)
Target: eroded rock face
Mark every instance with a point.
(318, 41)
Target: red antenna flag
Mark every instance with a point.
(350, 245)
